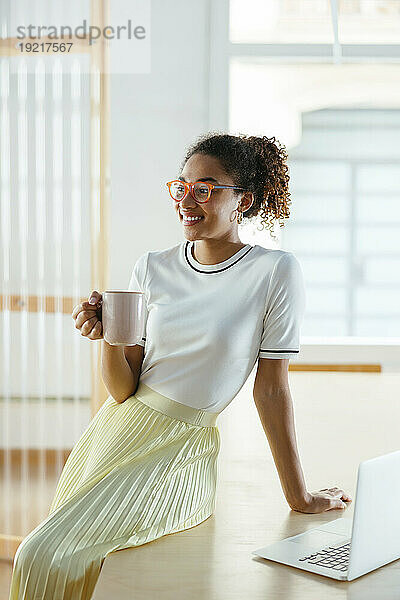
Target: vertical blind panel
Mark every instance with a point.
(45, 169)
(43, 232)
(44, 13)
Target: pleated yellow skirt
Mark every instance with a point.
(144, 468)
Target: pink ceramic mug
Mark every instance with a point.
(123, 317)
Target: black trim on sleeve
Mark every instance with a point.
(294, 351)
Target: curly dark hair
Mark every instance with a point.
(257, 164)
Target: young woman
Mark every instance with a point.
(146, 465)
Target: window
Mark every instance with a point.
(324, 78)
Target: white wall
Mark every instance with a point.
(153, 120)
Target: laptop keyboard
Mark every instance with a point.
(333, 557)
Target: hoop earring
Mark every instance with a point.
(239, 216)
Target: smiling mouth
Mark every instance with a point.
(191, 221)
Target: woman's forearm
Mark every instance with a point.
(276, 415)
(117, 375)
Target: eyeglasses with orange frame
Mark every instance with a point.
(190, 187)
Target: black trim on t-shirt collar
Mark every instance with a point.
(187, 250)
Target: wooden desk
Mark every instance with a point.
(341, 420)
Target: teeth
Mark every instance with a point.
(192, 218)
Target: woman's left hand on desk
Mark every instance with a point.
(325, 499)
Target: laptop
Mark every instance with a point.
(347, 548)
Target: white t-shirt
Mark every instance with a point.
(206, 325)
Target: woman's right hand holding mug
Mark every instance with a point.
(88, 315)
